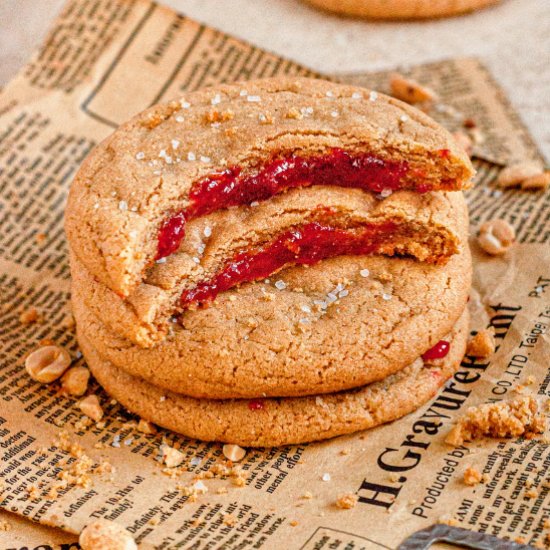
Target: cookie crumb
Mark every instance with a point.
(29, 316)
(146, 427)
(91, 407)
(347, 501)
(483, 344)
(229, 520)
(171, 457)
(472, 476)
(518, 417)
(75, 381)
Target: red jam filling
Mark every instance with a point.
(440, 350)
(255, 405)
(233, 187)
(304, 245)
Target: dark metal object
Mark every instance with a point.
(422, 540)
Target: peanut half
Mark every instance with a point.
(540, 182)
(409, 90)
(47, 363)
(496, 237)
(234, 452)
(105, 535)
(515, 174)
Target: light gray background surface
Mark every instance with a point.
(513, 39)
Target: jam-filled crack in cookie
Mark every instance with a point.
(137, 193)
(302, 227)
(342, 323)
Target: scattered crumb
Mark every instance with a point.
(518, 417)
(91, 407)
(5, 525)
(472, 476)
(448, 521)
(75, 381)
(532, 493)
(30, 316)
(146, 427)
(293, 523)
(483, 344)
(171, 457)
(229, 519)
(347, 501)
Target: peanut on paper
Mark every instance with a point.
(496, 237)
(47, 363)
(106, 535)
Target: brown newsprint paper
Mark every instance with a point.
(108, 59)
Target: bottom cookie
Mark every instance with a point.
(284, 421)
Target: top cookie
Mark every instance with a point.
(238, 144)
(401, 9)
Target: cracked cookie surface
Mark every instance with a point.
(147, 172)
(342, 323)
(285, 421)
(428, 227)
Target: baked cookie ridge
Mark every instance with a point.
(235, 145)
(285, 421)
(343, 323)
(302, 227)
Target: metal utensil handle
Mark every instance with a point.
(422, 540)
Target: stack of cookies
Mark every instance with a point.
(273, 262)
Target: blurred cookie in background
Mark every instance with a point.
(401, 9)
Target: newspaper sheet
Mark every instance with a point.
(105, 60)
